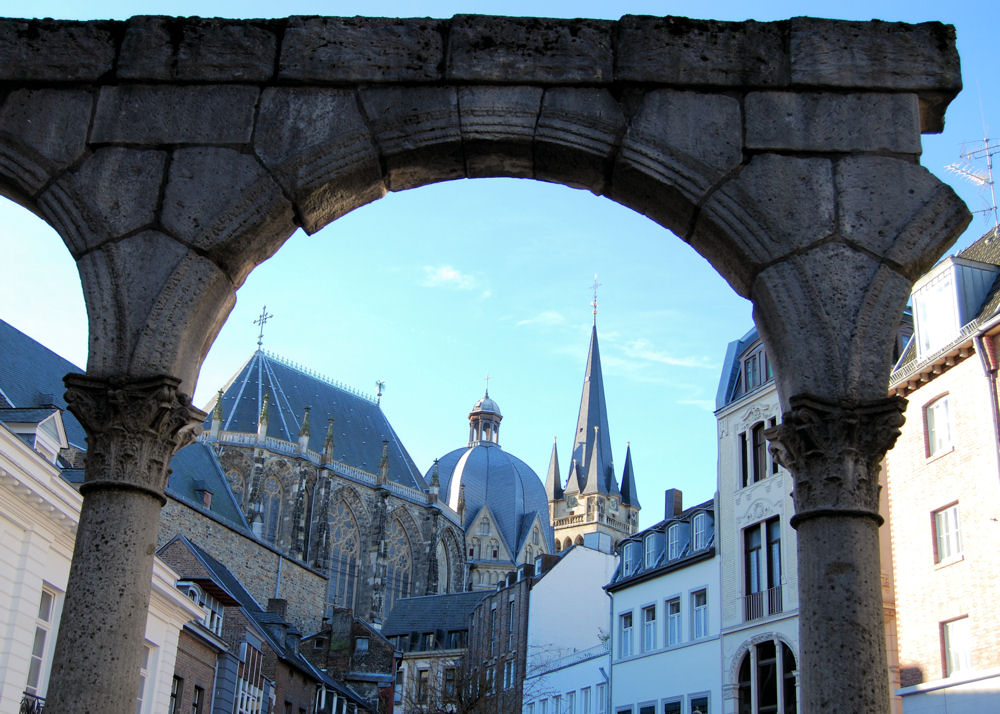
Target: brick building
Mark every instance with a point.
(944, 487)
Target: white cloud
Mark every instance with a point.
(546, 318)
(642, 350)
(445, 276)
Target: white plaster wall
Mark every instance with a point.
(973, 696)
(568, 609)
(692, 667)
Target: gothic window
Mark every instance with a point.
(534, 537)
(271, 508)
(345, 546)
(474, 552)
(400, 559)
(494, 549)
(442, 568)
(484, 527)
(528, 554)
(236, 485)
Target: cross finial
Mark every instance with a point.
(487, 384)
(262, 320)
(594, 303)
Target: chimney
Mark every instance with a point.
(277, 606)
(673, 502)
(203, 493)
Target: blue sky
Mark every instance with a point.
(432, 288)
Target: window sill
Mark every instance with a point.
(950, 561)
(940, 454)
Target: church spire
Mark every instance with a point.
(553, 482)
(629, 495)
(592, 426)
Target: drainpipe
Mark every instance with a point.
(989, 363)
(277, 583)
(611, 642)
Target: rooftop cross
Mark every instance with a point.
(594, 303)
(487, 384)
(262, 320)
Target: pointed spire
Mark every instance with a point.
(263, 418)
(572, 479)
(593, 413)
(383, 464)
(328, 443)
(217, 416)
(629, 495)
(304, 432)
(594, 482)
(553, 481)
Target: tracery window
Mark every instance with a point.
(345, 547)
(400, 559)
(271, 511)
(443, 569)
(236, 485)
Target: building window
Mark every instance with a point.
(947, 536)
(41, 647)
(397, 696)
(630, 558)
(493, 631)
(271, 509)
(937, 426)
(755, 463)
(649, 628)
(602, 698)
(699, 705)
(699, 622)
(672, 707)
(176, 689)
(701, 531)
(197, 700)
(423, 679)
(674, 541)
(510, 626)
(762, 570)
(557, 704)
(673, 621)
(772, 690)
(529, 708)
(484, 527)
(142, 694)
(570, 702)
(345, 547)
(400, 560)
(647, 708)
(625, 634)
(956, 641)
(653, 544)
(543, 706)
(585, 705)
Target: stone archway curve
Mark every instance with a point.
(172, 156)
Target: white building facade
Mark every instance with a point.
(757, 546)
(665, 643)
(568, 665)
(39, 512)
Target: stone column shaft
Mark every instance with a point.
(834, 451)
(133, 428)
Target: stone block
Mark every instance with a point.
(684, 52)
(775, 206)
(113, 193)
(678, 145)
(417, 132)
(823, 314)
(361, 49)
(813, 121)
(170, 48)
(55, 50)
(174, 114)
(911, 228)
(498, 128)
(44, 131)
(874, 55)
(529, 50)
(316, 143)
(227, 205)
(576, 136)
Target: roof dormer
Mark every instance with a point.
(946, 299)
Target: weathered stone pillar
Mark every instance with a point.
(133, 427)
(834, 452)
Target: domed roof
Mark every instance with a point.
(492, 477)
(485, 404)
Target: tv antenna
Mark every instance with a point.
(970, 169)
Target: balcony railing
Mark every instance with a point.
(31, 704)
(766, 602)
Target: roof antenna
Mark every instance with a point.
(594, 303)
(968, 169)
(262, 320)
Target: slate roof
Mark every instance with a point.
(730, 377)
(430, 613)
(31, 376)
(26, 416)
(360, 426)
(594, 462)
(195, 467)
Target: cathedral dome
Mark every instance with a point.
(484, 475)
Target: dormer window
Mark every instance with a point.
(702, 531)
(674, 541)
(756, 369)
(630, 558)
(654, 547)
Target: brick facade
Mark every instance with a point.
(967, 473)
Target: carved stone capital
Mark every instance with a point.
(834, 451)
(134, 427)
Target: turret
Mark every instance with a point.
(304, 433)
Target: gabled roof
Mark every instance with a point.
(31, 375)
(195, 468)
(432, 612)
(360, 426)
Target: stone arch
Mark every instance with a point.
(453, 569)
(399, 561)
(746, 645)
(345, 554)
(578, 540)
(349, 494)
